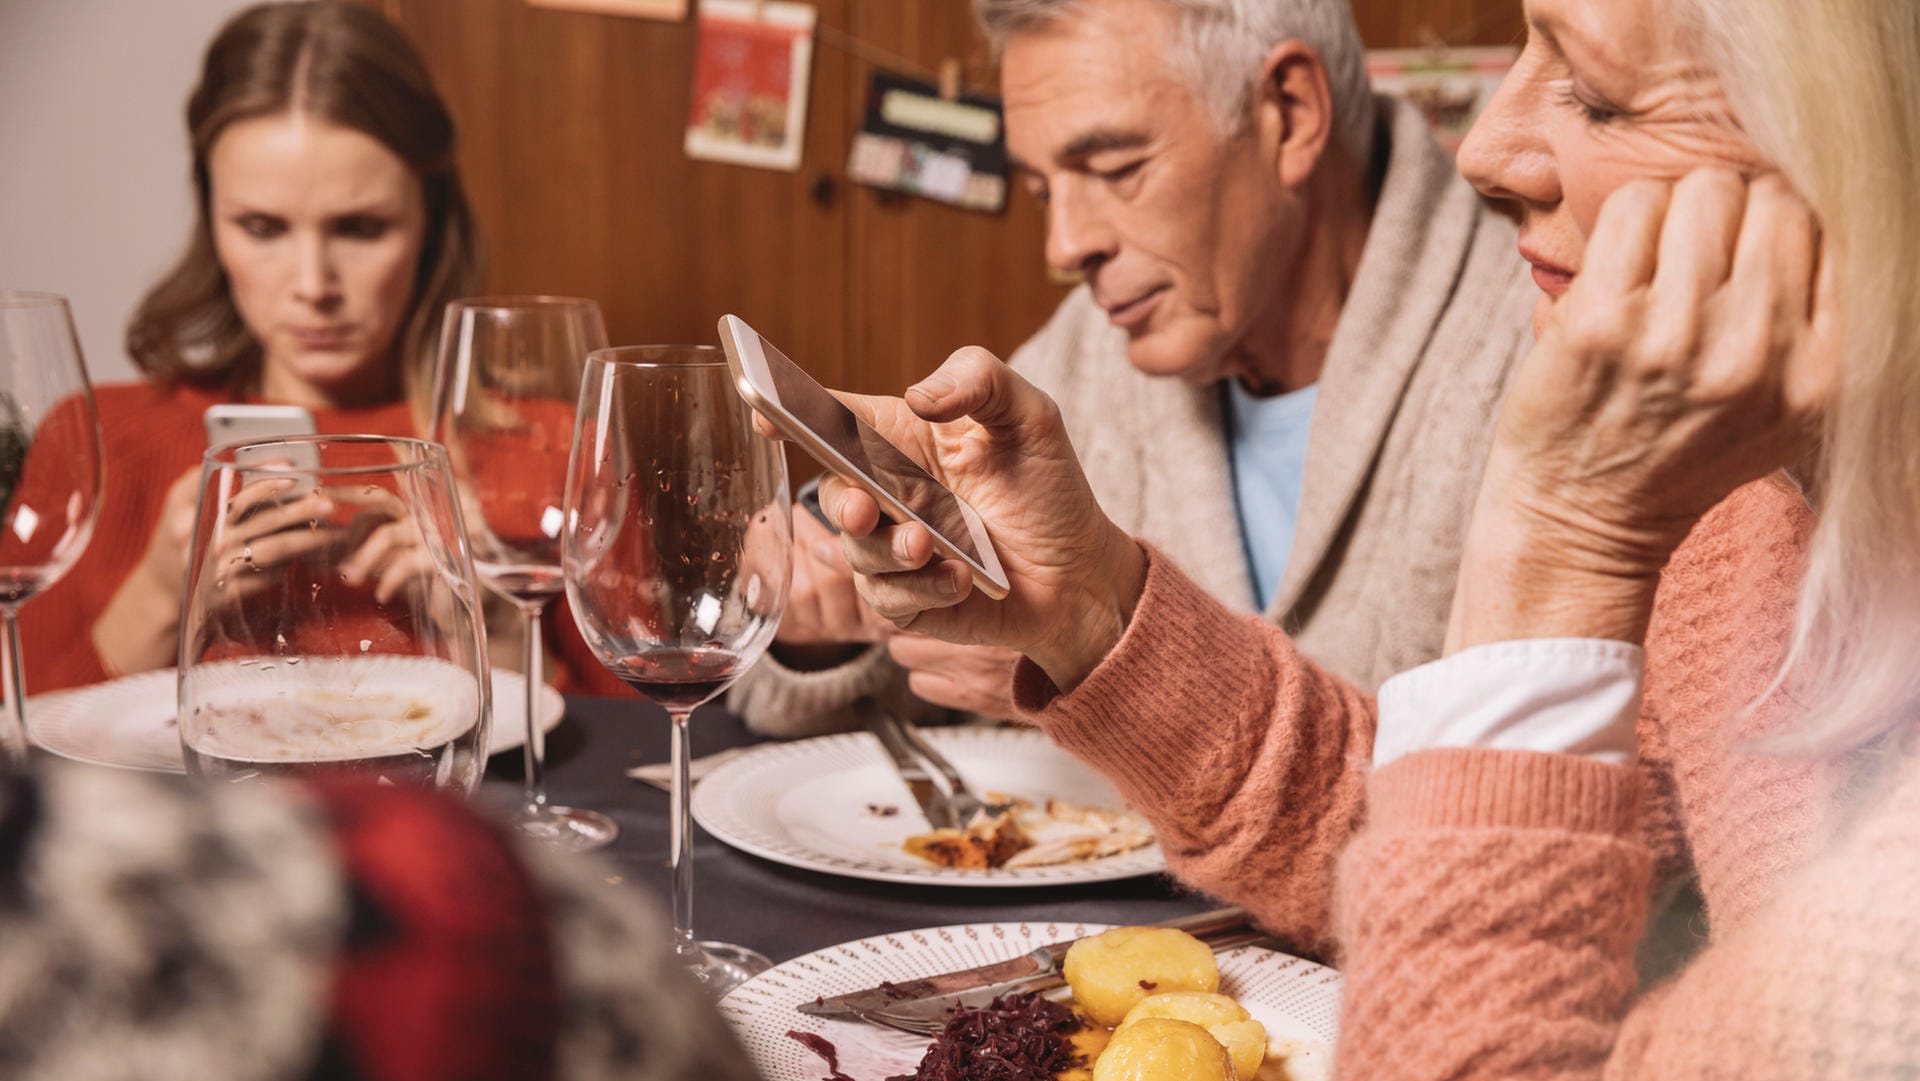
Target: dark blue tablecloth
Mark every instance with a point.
(781, 911)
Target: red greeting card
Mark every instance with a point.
(750, 69)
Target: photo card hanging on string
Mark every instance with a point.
(1448, 85)
(751, 64)
(948, 146)
(669, 10)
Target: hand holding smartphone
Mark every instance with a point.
(808, 499)
(243, 423)
(808, 414)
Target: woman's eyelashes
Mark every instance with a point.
(1589, 106)
(261, 226)
(348, 227)
(361, 227)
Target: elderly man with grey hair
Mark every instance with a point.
(1283, 366)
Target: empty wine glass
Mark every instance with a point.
(676, 559)
(331, 620)
(504, 397)
(50, 473)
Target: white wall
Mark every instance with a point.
(95, 193)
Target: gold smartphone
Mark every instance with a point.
(806, 413)
(264, 425)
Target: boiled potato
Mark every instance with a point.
(1246, 1043)
(1112, 971)
(1203, 1008)
(1163, 1049)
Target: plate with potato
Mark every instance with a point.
(1142, 1004)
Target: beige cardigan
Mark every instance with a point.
(1439, 311)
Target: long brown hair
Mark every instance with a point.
(348, 65)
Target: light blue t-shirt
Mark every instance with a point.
(1267, 442)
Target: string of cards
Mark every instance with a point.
(753, 60)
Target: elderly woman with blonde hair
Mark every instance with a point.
(1686, 615)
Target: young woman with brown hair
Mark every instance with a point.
(331, 229)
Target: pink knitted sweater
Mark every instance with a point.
(1489, 908)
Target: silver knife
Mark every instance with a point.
(912, 770)
(971, 988)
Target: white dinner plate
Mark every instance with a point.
(1297, 1000)
(824, 803)
(131, 722)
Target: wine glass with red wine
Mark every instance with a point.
(50, 477)
(504, 395)
(676, 559)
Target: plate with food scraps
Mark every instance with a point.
(131, 722)
(836, 804)
(1295, 1000)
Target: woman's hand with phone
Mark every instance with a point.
(137, 630)
(269, 521)
(388, 550)
(1000, 444)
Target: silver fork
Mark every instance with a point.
(942, 793)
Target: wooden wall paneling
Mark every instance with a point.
(928, 278)
(1401, 24)
(571, 143)
(571, 127)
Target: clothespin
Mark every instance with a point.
(1434, 46)
(950, 79)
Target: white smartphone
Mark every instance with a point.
(240, 423)
(806, 413)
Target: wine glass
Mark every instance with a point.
(676, 556)
(50, 473)
(331, 621)
(504, 397)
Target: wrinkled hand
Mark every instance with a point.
(1000, 444)
(1694, 352)
(823, 601)
(978, 679)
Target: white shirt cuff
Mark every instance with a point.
(1568, 695)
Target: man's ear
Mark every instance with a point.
(1293, 111)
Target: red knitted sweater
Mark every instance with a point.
(151, 436)
(1489, 908)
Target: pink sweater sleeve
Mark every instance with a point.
(1722, 622)
(1247, 757)
(1488, 915)
(1489, 910)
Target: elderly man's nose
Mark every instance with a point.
(1078, 236)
